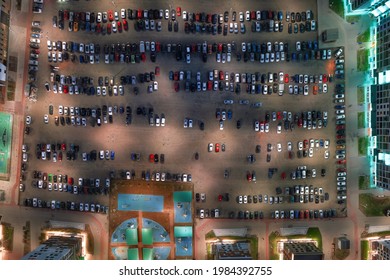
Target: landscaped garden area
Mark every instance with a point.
(362, 146)
(371, 205)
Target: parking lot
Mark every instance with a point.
(178, 144)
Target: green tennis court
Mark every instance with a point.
(5, 145)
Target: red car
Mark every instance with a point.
(286, 78)
(217, 147)
(98, 28)
(66, 89)
(176, 76)
(305, 144)
(341, 161)
(125, 25)
(157, 71)
(110, 15)
(324, 78)
(279, 115)
(209, 85)
(220, 47)
(177, 86)
(108, 28)
(340, 127)
(340, 136)
(63, 146)
(220, 197)
(66, 15)
(249, 176)
(341, 170)
(70, 181)
(208, 18)
(60, 156)
(193, 48)
(315, 89)
(139, 14)
(306, 214)
(178, 11)
(151, 158)
(143, 57)
(221, 75)
(119, 24)
(253, 15)
(158, 47)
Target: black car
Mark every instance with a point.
(197, 197)
(156, 158)
(238, 124)
(162, 158)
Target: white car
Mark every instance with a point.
(257, 126)
(201, 214)
(289, 146)
(248, 15)
(324, 88)
(157, 120)
(300, 145)
(28, 120)
(46, 119)
(298, 46)
(221, 125)
(279, 147)
(326, 154)
(326, 144)
(311, 143)
(162, 120)
(210, 147)
(311, 151)
(243, 46)
(245, 198)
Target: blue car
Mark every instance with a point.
(229, 114)
(112, 155)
